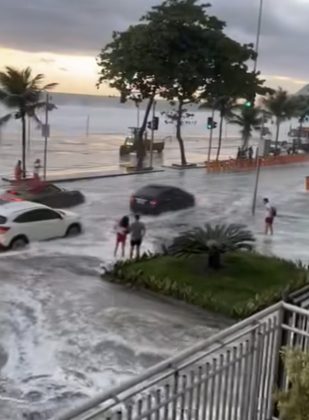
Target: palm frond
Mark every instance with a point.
(5, 119)
(50, 86)
(18, 89)
(202, 240)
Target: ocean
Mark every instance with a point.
(85, 135)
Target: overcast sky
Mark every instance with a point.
(62, 37)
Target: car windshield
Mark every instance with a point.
(2, 220)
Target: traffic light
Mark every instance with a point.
(248, 104)
(211, 124)
(154, 124)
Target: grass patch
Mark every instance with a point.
(247, 283)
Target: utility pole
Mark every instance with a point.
(152, 133)
(46, 134)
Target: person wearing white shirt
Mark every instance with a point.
(269, 217)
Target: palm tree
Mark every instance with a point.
(248, 119)
(282, 107)
(20, 91)
(213, 241)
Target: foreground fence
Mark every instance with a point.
(230, 376)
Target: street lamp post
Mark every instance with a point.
(258, 162)
(258, 34)
(46, 134)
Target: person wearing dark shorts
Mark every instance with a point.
(270, 215)
(137, 231)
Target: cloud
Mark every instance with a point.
(82, 27)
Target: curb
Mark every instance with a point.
(92, 177)
(181, 168)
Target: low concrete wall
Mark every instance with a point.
(249, 165)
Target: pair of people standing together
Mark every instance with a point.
(137, 232)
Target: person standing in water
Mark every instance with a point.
(271, 213)
(122, 230)
(18, 171)
(137, 230)
(37, 168)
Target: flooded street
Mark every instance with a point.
(66, 334)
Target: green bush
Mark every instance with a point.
(247, 283)
(294, 403)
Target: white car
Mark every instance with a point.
(22, 222)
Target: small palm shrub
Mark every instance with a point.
(213, 241)
(294, 403)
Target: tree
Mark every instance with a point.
(282, 106)
(21, 91)
(231, 81)
(213, 241)
(249, 119)
(189, 38)
(130, 63)
(302, 113)
(293, 403)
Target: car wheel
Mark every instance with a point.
(73, 230)
(19, 243)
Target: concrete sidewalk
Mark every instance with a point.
(84, 176)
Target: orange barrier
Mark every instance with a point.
(238, 165)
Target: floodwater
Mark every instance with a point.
(65, 334)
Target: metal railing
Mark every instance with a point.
(229, 376)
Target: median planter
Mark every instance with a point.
(247, 282)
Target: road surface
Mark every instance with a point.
(65, 334)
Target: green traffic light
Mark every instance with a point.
(248, 104)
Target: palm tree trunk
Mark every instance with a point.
(245, 142)
(140, 146)
(29, 133)
(214, 260)
(277, 133)
(24, 139)
(220, 137)
(179, 136)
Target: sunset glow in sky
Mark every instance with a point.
(61, 38)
